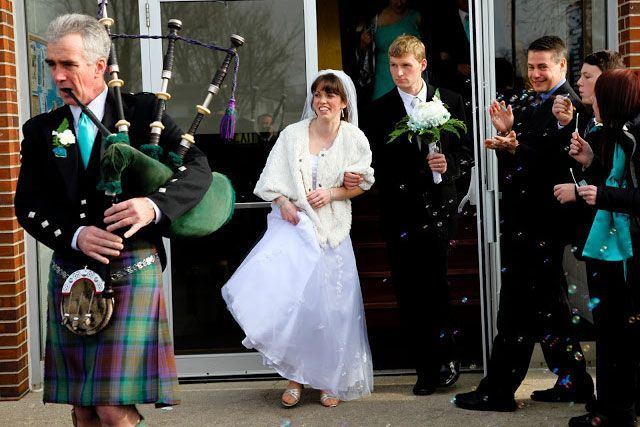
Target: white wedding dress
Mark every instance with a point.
(301, 307)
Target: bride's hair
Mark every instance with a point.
(337, 82)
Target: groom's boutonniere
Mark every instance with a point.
(62, 138)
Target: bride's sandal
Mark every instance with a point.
(294, 393)
(328, 400)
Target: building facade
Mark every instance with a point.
(283, 51)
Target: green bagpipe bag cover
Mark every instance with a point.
(214, 210)
(125, 170)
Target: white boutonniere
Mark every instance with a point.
(62, 138)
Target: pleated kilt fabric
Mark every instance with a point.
(131, 360)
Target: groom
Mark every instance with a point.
(418, 215)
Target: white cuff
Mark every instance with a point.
(156, 209)
(74, 241)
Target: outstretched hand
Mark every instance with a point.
(508, 143)
(501, 116)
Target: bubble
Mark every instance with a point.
(603, 249)
(503, 270)
(542, 244)
(452, 242)
(574, 249)
(596, 421)
(613, 230)
(586, 348)
(434, 213)
(595, 274)
(632, 320)
(575, 320)
(572, 289)
(593, 303)
(464, 300)
(439, 224)
(574, 310)
(285, 423)
(570, 348)
(404, 235)
(402, 186)
(578, 356)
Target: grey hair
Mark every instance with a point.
(95, 39)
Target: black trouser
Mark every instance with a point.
(617, 327)
(419, 272)
(533, 307)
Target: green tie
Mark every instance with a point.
(86, 135)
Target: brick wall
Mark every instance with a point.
(14, 371)
(629, 32)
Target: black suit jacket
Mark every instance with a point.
(56, 195)
(540, 162)
(410, 199)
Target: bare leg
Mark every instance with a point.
(118, 416)
(85, 416)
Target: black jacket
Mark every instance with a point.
(528, 176)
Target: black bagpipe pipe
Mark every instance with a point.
(137, 173)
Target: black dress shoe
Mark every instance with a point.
(594, 419)
(449, 373)
(479, 401)
(423, 387)
(560, 394)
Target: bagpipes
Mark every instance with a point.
(143, 169)
(88, 300)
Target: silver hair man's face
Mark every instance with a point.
(70, 69)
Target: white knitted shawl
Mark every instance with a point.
(288, 173)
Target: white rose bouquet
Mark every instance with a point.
(427, 121)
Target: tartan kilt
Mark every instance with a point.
(131, 360)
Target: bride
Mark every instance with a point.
(297, 294)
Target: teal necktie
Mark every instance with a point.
(466, 26)
(86, 135)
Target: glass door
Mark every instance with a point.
(275, 62)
